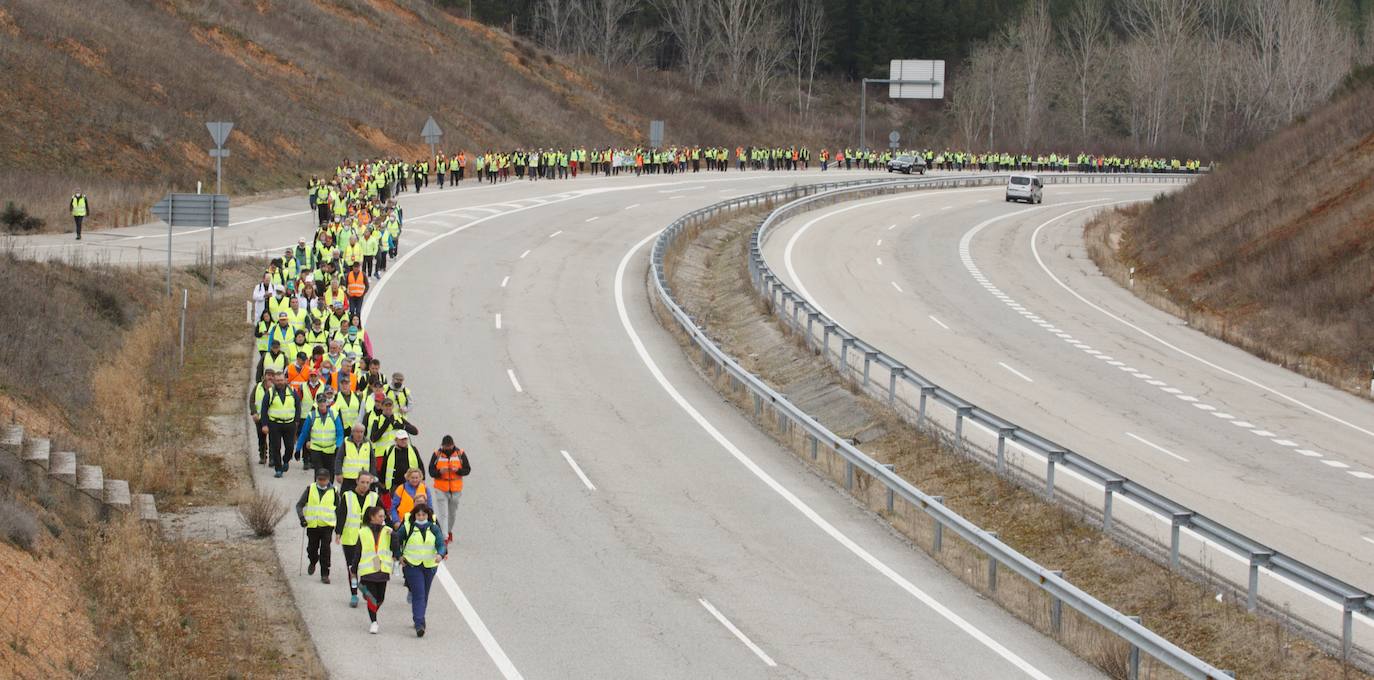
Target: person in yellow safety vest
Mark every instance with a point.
(322, 433)
(318, 512)
(348, 404)
(254, 404)
(398, 393)
(80, 207)
(422, 546)
(396, 459)
(376, 546)
(275, 360)
(359, 457)
(372, 242)
(282, 410)
(295, 316)
(356, 499)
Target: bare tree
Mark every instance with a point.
(1030, 39)
(687, 21)
(1161, 28)
(1214, 54)
(766, 58)
(737, 23)
(555, 23)
(807, 21)
(1314, 53)
(603, 33)
(1087, 44)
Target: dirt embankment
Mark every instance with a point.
(710, 278)
(1274, 253)
(90, 360)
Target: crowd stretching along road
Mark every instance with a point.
(322, 399)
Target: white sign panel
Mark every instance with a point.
(926, 79)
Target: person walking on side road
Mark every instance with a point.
(354, 502)
(447, 468)
(318, 511)
(282, 410)
(80, 207)
(255, 409)
(407, 495)
(421, 548)
(375, 552)
(321, 435)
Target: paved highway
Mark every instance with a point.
(621, 520)
(1001, 304)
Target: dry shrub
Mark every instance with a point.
(139, 615)
(261, 511)
(18, 525)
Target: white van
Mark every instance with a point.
(1026, 188)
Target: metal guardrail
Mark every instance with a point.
(1347, 597)
(1141, 638)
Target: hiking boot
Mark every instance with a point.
(262, 459)
(324, 578)
(277, 474)
(353, 601)
(310, 570)
(372, 628)
(419, 631)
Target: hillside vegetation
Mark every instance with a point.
(1275, 251)
(112, 96)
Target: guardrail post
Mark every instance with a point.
(1348, 625)
(959, 414)
(1002, 434)
(1051, 459)
(848, 475)
(1180, 520)
(844, 355)
(1257, 560)
(921, 412)
(810, 319)
(1110, 487)
(890, 468)
(939, 541)
(868, 361)
(825, 344)
(1056, 609)
(814, 444)
(992, 567)
(1133, 661)
(758, 407)
(893, 373)
(796, 314)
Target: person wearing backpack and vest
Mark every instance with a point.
(322, 433)
(318, 510)
(354, 501)
(421, 548)
(281, 410)
(376, 546)
(254, 405)
(407, 495)
(447, 468)
(357, 457)
(396, 459)
(80, 208)
(357, 287)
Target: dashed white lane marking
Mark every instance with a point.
(742, 638)
(1309, 453)
(592, 219)
(1367, 539)
(1015, 372)
(894, 285)
(914, 216)
(498, 321)
(576, 468)
(891, 227)
(879, 260)
(1334, 463)
(879, 243)
(1156, 447)
(524, 254)
(1359, 475)
(510, 373)
(632, 206)
(948, 207)
(556, 233)
(505, 281)
(938, 322)
(806, 511)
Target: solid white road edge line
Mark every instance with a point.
(806, 510)
(894, 285)
(578, 469)
(524, 254)
(556, 233)
(498, 321)
(505, 281)
(460, 600)
(1155, 446)
(938, 322)
(731, 627)
(1017, 373)
(510, 373)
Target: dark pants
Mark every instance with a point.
(78, 219)
(317, 547)
(417, 184)
(355, 305)
(440, 177)
(369, 264)
(323, 210)
(262, 442)
(281, 440)
(375, 593)
(418, 580)
(352, 554)
(381, 260)
(317, 460)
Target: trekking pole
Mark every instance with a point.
(300, 563)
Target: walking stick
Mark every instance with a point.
(300, 563)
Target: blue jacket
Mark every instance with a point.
(310, 423)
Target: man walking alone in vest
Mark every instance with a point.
(80, 207)
(447, 468)
(318, 511)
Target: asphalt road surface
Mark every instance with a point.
(621, 520)
(1001, 304)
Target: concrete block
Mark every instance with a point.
(147, 507)
(90, 486)
(117, 495)
(62, 467)
(36, 452)
(11, 439)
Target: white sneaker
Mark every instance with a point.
(372, 628)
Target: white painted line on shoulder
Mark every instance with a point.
(947, 207)
(505, 281)
(498, 321)
(791, 498)
(510, 373)
(1334, 463)
(1155, 446)
(592, 218)
(938, 322)
(1244, 424)
(891, 227)
(1116, 363)
(1224, 416)
(1187, 398)
(1262, 433)
(1366, 538)
(1156, 383)
(498, 656)
(1205, 407)
(556, 233)
(879, 243)
(524, 254)
(894, 285)
(1017, 373)
(578, 469)
(1360, 475)
(915, 216)
(879, 260)
(1285, 442)
(632, 206)
(1309, 453)
(1172, 390)
(742, 638)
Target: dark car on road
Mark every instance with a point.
(907, 164)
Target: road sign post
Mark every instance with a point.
(655, 134)
(893, 138)
(907, 79)
(190, 210)
(431, 134)
(219, 131)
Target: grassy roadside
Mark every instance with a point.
(201, 598)
(710, 277)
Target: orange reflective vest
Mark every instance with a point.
(447, 467)
(357, 284)
(298, 376)
(405, 502)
